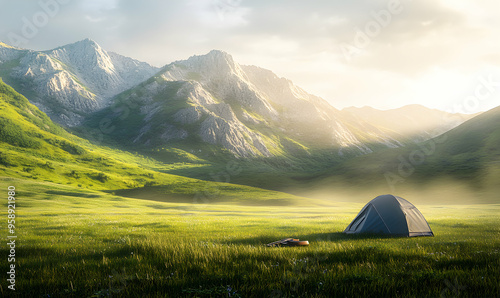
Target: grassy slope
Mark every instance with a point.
(33, 147)
(92, 243)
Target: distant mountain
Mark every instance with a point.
(69, 82)
(414, 123)
(462, 164)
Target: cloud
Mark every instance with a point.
(220, 13)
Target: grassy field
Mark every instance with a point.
(83, 243)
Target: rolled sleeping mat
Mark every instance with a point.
(297, 242)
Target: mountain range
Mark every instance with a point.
(142, 129)
(207, 101)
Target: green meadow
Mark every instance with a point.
(75, 242)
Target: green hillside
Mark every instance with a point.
(470, 152)
(33, 147)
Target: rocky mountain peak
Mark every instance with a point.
(87, 55)
(220, 57)
(8, 52)
(215, 62)
(104, 73)
(73, 80)
(85, 44)
(88, 41)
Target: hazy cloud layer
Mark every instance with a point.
(383, 53)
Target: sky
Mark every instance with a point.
(442, 54)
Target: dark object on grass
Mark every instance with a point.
(288, 242)
(390, 215)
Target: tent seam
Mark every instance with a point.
(381, 218)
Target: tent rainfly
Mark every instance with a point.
(391, 215)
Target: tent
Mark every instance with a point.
(391, 215)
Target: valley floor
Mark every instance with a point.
(74, 242)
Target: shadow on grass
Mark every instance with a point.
(72, 194)
(312, 238)
(153, 194)
(210, 193)
(341, 236)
